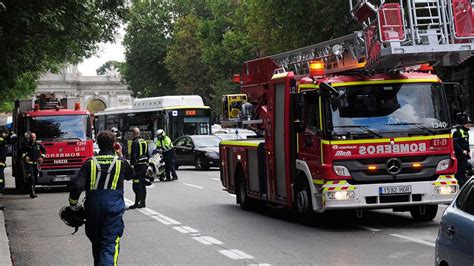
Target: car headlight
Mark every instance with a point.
(213, 155)
(443, 165)
(341, 170)
(445, 190)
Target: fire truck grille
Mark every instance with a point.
(75, 162)
(361, 174)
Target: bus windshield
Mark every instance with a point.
(61, 127)
(377, 109)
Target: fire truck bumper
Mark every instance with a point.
(342, 195)
(56, 176)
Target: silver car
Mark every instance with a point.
(455, 241)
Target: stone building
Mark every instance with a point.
(95, 92)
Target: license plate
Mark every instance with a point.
(395, 190)
(61, 178)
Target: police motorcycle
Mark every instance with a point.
(156, 166)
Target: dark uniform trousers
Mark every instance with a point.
(169, 157)
(32, 170)
(104, 228)
(461, 144)
(2, 176)
(139, 187)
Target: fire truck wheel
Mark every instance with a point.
(424, 213)
(303, 207)
(242, 197)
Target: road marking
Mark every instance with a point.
(420, 241)
(202, 241)
(190, 229)
(371, 229)
(212, 240)
(160, 220)
(235, 254)
(191, 185)
(180, 229)
(217, 179)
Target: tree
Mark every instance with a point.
(278, 26)
(37, 36)
(146, 42)
(184, 59)
(110, 67)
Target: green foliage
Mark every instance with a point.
(146, 43)
(39, 35)
(194, 47)
(110, 66)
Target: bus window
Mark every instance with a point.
(144, 121)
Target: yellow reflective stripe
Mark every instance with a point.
(118, 165)
(43, 155)
(445, 183)
(136, 180)
(72, 201)
(366, 141)
(140, 145)
(93, 174)
(117, 247)
(1, 180)
(2, 164)
(241, 143)
(307, 86)
(23, 155)
(342, 182)
(371, 82)
(318, 181)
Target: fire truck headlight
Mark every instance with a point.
(341, 195)
(341, 170)
(445, 190)
(443, 165)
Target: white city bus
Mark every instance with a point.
(177, 115)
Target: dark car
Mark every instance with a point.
(202, 151)
(455, 241)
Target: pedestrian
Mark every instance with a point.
(121, 144)
(461, 147)
(169, 156)
(3, 159)
(102, 177)
(33, 154)
(139, 161)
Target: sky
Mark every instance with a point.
(108, 51)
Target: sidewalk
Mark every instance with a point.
(5, 258)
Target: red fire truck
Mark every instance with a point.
(356, 122)
(65, 131)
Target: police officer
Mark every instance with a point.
(102, 177)
(461, 147)
(121, 145)
(164, 143)
(139, 160)
(33, 154)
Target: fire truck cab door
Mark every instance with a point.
(309, 141)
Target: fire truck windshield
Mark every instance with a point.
(411, 108)
(64, 127)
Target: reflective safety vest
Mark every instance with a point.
(142, 154)
(97, 173)
(464, 134)
(164, 143)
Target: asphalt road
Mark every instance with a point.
(192, 221)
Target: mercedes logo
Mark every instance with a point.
(394, 166)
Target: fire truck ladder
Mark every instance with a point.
(340, 54)
(440, 32)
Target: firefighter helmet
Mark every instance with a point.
(73, 216)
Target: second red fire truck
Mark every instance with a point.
(356, 122)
